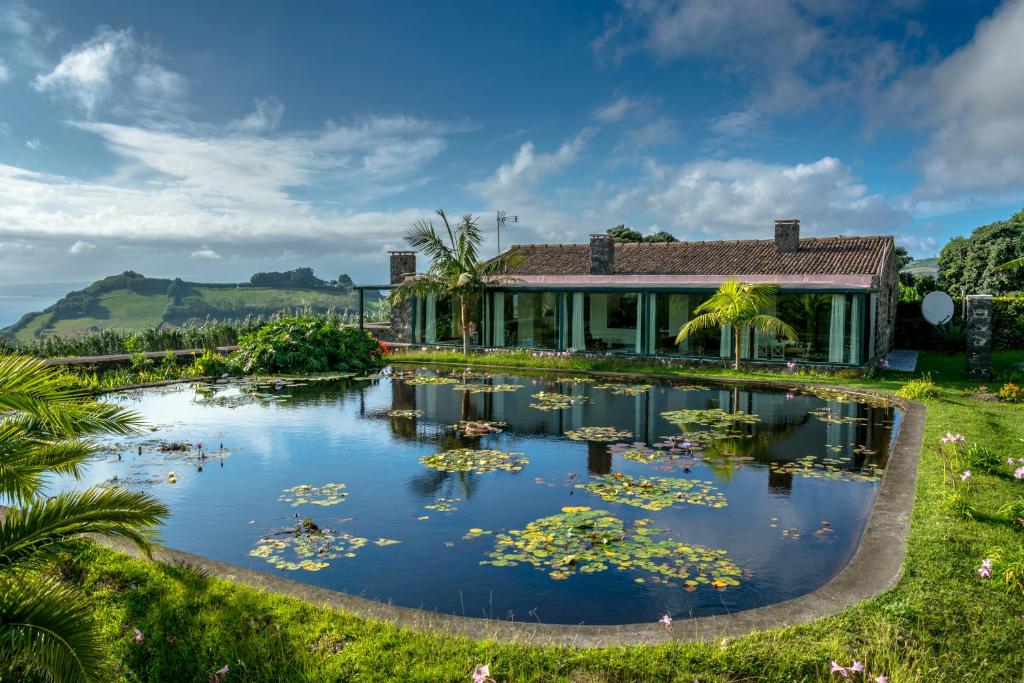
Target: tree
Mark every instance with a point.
(903, 258)
(737, 304)
(981, 262)
(456, 269)
(620, 233)
(661, 236)
(46, 625)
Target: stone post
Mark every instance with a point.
(979, 336)
(403, 265)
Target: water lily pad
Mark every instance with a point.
(479, 427)
(304, 494)
(487, 388)
(474, 460)
(430, 379)
(625, 389)
(444, 505)
(811, 467)
(548, 400)
(307, 547)
(592, 541)
(598, 434)
(654, 493)
(407, 414)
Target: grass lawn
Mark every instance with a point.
(941, 622)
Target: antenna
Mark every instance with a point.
(503, 218)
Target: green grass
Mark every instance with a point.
(941, 622)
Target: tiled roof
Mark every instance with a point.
(816, 256)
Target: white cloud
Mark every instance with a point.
(623, 107)
(514, 181)
(265, 118)
(5, 73)
(735, 123)
(34, 144)
(24, 35)
(206, 253)
(113, 62)
(919, 246)
(81, 247)
(972, 105)
(661, 131)
(739, 198)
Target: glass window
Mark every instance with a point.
(438, 320)
(672, 311)
(829, 327)
(528, 319)
(604, 322)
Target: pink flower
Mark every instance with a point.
(985, 570)
(965, 476)
(1011, 462)
(666, 620)
(138, 635)
(857, 667)
(482, 674)
(1018, 473)
(881, 678)
(791, 365)
(219, 675)
(789, 396)
(953, 438)
(841, 670)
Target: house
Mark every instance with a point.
(838, 293)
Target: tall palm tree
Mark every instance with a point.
(738, 304)
(456, 269)
(45, 428)
(1010, 265)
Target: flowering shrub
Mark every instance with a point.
(1004, 567)
(953, 452)
(1011, 393)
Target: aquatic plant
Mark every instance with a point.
(307, 547)
(407, 414)
(487, 388)
(479, 427)
(304, 494)
(654, 493)
(474, 460)
(583, 540)
(430, 379)
(598, 434)
(444, 505)
(548, 400)
(625, 389)
(811, 467)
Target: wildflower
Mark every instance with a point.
(1011, 462)
(219, 675)
(881, 678)
(1018, 473)
(666, 620)
(953, 438)
(841, 670)
(965, 476)
(857, 667)
(789, 396)
(985, 570)
(791, 365)
(482, 674)
(138, 635)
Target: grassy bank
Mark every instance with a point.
(941, 622)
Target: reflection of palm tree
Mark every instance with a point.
(430, 483)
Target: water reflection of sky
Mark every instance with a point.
(340, 433)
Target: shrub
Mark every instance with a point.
(210, 364)
(1011, 393)
(307, 344)
(983, 458)
(918, 389)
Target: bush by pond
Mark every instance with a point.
(307, 344)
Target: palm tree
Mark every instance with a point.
(45, 624)
(456, 269)
(1009, 265)
(738, 304)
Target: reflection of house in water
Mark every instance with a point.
(599, 458)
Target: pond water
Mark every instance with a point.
(591, 501)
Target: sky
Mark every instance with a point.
(211, 140)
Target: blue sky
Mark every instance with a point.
(212, 140)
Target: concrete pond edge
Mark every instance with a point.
(875, 566)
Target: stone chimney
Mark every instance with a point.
(602, 254)
(403, 263)
(787, 236)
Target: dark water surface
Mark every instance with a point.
(785, 532)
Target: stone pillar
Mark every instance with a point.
(403, 265)
(787, 236)
(979, 336)
(602, 255)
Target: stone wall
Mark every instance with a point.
(885, 311)
(602, 255)
(979, 336)
(403, 265)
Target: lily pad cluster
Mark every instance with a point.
(549, 400)
(654, 493)
(584, 540)
(430, 379)
(487, 388)
(444, 505)
(474, 460)
(841, 396)
(407, 414)
(304, 494)
(625, 389)
(826, 468)
(479, 427)
(608, 434)
(307, 547)
(829, 416)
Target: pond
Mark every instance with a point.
(544, 498)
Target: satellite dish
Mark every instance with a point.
(937, 308)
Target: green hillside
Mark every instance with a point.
(130, 301)
(925, 266)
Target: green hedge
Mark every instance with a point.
(913, 332)
(301, 344)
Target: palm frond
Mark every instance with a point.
(769, 324)
(25, 461)
(706, 321)
(47, 626)
(1010, 265)
(30, 532)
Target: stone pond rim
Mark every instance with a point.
(875, 566)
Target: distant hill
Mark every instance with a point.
(925, 266)
(131, 301)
